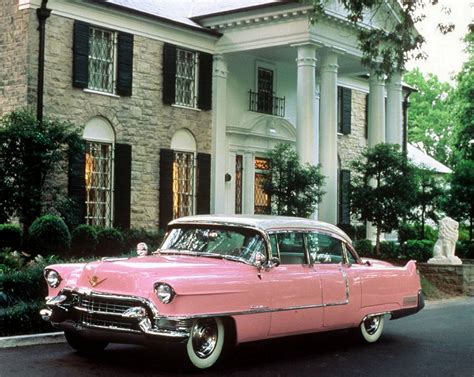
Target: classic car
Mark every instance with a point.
(218, 281)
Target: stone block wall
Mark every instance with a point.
(457, 279)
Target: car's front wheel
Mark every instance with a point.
(83, 345)
(206, 342)
(371, 328)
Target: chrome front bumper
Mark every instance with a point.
(112, 317)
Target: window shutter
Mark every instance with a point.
(166, 187)
(346, 110)
(80, 65)
(203, 194)
(169, 74)
(77, 185)
(344, 197)
(122, 185)
(367, 116)
(205, 81)
(125, 64)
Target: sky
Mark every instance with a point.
(445, 52)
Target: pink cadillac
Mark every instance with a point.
(218, 281)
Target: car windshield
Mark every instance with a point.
(224, 242)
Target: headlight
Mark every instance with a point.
(164, 292)
(52, 278)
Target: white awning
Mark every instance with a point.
(425, 161)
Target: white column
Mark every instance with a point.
(306, 116)
(376, 111)
(328, 136)
(219, 118)
(394, 130)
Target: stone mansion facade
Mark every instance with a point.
(180, 101)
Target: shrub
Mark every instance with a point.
(431, 233)
(10, 236)
(388, 250)
(151, 237)
(110, 242)
(48, 235)
(23, 318)
(84, 240)
(420, 250)
(465, 249)
(407, 232)
(364, 248)
(24, 285)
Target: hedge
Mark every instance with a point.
(10, 236)
(49, 235)
(84, 240)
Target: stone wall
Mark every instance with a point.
(352, 145)
(140, 120)
(16, 55)
(458, 279)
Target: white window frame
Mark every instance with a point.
(193, 103)
(112, 61)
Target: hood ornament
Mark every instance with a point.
(94, 281)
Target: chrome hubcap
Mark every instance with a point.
(372, 324)
(204, 337)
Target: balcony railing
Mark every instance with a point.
(266, 103)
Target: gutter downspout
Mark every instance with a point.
(42, 13)
(405, 106)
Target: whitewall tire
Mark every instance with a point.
(206, 342)
(371, 328)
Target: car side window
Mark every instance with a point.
(350, 257)
(291, 247)
(324, 248)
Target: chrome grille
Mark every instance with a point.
(115, 323)
(96, 304)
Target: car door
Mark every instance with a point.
(340, 282)
(296, 300)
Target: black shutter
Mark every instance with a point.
(203, 194)
(205, 81)
(122, 185)
(344, 197)
(166, 187)
(124, 64)
(80, 65)
(77, 186)
(366, 116)
(169, 74)
(346, 110)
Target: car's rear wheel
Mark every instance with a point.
(371, 328)
(206, 341)
(83, 345)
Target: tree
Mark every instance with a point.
(295, 189)
(382, 188)
(460, 203)
(427, 197)
(386, 50)
(29, 152)
(432, 124)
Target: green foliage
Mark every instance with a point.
(110, 242)
(386, 49)
(381, 191)
(355, 232)
(24, 285)
(84, 241)
(10, 236)
(294, 188)
(460, 203)
(364, 248)
(48, 235)
(132, 237)
(407, 231)
(22, 319)
(465, 249)
(388, 250)
(420, 250)
(30, 151)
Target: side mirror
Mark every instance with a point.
(142, 249)
(273, 262)
(260, 260)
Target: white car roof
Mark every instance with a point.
(264, 223)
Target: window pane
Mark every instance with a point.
(291, 246)
(324, 248)
(183, 184)
(101, 60)
(98, 179)
(186, 62)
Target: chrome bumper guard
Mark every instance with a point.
(85, 310)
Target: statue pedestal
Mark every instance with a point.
(453, 260)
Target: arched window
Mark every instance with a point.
(100, 140)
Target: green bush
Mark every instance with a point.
(10, 236)
(407, 232)
(420, 250)
(23, 318)
(364, 248)
(465, 249)
(84, 240)
(388, 250)
(48, 235)
(110, 242)
(133, 236)
(24, 285)
(431, 233)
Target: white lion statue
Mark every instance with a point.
(445, 246)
